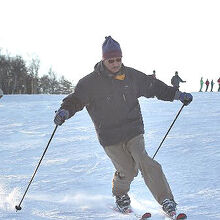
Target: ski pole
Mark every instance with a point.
(18, 207)
(168, 131)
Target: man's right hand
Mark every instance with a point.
(185, 98)
(61, 116)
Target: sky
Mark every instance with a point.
(165, 36)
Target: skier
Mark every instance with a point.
(212, 84)
(175, 81)
(154, 74)
(110, 94)
(207, 85)
(218, 84)
(201, 84)
(1, 93)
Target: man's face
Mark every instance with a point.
(113, 64)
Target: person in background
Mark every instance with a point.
(1, 93)
(110, 94)
(176, 80)
(201, 84)
(218, 84)
(154, 74)
(207, 85)
(212, 84)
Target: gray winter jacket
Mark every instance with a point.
(113, 104)
(175, 81)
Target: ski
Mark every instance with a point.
(130, 211)
(180, 216)
(145, 216)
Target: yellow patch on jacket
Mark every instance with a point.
(120, 77)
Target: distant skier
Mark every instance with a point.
(218, 84)
(212, 84)
(1, 93)
(154, 74)
(207, 85)
(110, 94)
(201, 84)
(176, 80)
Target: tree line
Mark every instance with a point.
(18, 77)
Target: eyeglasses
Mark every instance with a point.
(114, 60)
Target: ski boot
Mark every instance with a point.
(123, 203)
(169, 207)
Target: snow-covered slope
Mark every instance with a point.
(74, 179)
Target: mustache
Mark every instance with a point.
(116, 67)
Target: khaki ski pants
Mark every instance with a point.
(129, 157)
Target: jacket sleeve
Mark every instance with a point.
(172, 80)
(77, 100)
(181, 80)
(150, 87)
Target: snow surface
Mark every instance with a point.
(74, 179)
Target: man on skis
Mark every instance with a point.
(212, 85)
(201, 84)
(110, 94)
(218, 81)
(207, 85)
(176, 80)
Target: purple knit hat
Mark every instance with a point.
(111, 48)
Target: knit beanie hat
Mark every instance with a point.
(111, 48)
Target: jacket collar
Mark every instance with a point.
(103, 71)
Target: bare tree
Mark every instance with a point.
(33, 70)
